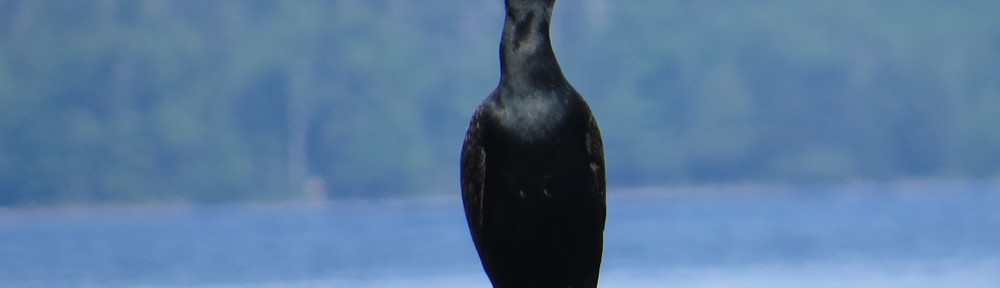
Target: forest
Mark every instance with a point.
(187, 101)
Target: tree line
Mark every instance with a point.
(192, 101)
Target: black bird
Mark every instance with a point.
(533, 166)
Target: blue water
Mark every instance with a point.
(914, 234)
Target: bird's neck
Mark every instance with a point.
(526, 56)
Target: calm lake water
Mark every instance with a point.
(913, 234)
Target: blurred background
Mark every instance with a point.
(160, 143)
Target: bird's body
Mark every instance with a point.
(533, 166)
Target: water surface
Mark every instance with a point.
(912, 234)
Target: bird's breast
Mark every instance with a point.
(531, 117)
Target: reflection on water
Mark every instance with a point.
(925, 234)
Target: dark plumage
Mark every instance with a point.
(533, 166)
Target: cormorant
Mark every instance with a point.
(533, 166)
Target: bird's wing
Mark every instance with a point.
(473, 173)
(595, 150)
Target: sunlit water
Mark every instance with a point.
(919, 234)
